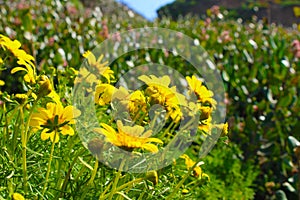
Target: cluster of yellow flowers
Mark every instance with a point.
(137, 104)
(53, 119)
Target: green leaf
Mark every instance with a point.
(285, 100)
(280, 195)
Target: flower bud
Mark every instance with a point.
(45, 86)
(152, 176)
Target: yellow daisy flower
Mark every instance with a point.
(104, 93)
(160, 93)
(2, 83)
(190, 163)
(203, 94)
(100, 68)
(205, 125)
(30, 77)
(134, 102)
(129, 137)
(23, 58)
(223, 127)
(54, 119)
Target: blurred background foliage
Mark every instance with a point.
(259, 64)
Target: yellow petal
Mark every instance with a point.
(67, 130)
(16, 69)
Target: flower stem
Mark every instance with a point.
(124, 186)
(24, 141)
(49, 164)
(176, 189)
(113, 190)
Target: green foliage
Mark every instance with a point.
(262, 78)
(230, 177)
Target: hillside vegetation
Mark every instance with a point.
(43, 155)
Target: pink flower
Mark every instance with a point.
(296, 48)
(225, 37)
(215, 10)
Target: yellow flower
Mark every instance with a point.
(160, 93)
(134, 102)
(14, 47)
(223, 127)
(129, 137)
(205, 125)
(87, 78)
(30, 77)
(98, 67)
(17, 196)
(1, 61)
(137, 102)
(45, 86)
(2, 83)
(104, 93)
(190, 163)
(203, 94)
(54, 119)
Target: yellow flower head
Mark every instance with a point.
(203, 94)
(104, 94)
(23, 58)
(2, 83)
(205, 125)
(45, 86)
(190, 163)
(160, 93)
(129, 137)
(53, 120)
(223, 127)
(98, 67)
(17, 196)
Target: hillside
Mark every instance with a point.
(277, 11)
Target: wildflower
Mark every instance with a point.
(185, 191)
(137, 102)
(45, 86)
(190, 163)
(152, 176)
(2, 83)
(86, 78)
(205, 125)
(21, 97)
(17, 196)
(14, 47)
(129, 137)
(30, 76)
(223, 127)
(296, 48)
(103, 94)
(160, 93)
(203, 94)
(134, 102)
(53, 120)
(98, 67)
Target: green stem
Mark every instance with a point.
(49, 164)
(94, 172)
(24, 162)
(113, 190)
(123, 186)
(67, 177)
(176, 189)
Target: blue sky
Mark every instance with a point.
(147, 8)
